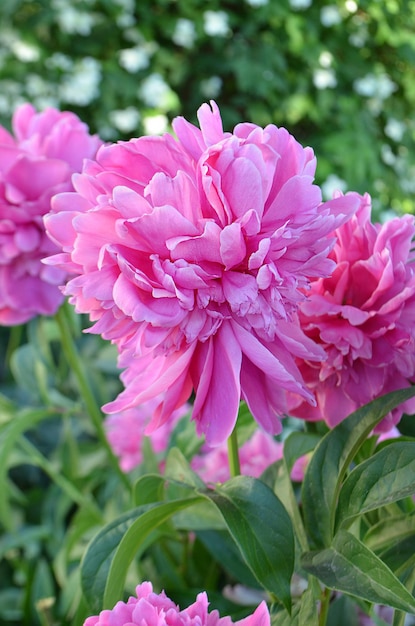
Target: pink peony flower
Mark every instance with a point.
(125, 433)
(364, 318)
(255, 455)
(157, 609)
(34, 164)
(192, 255)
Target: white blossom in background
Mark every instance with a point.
(11, 94)
(331, 184)
(216, 23)
(125, 120)
(82, 85)
(134, 59)
(154, 91)
(42, 93)
(211, 87)
(408, 183)
(375, 86)
(394, 129)
(184, 33)
(300, 5)
(71, 20)
(59, 61)
(257, 3)
(155, 124)
(325, 59)
(387, 154)
(126, 18)
(351, 6)
(25, 52)
(324, 78)
(330, 15)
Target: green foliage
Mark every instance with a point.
(338, 75)
(76, 536)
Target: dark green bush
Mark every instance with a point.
(338, 75)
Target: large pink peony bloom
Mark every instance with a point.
(192, 256)
(157, 609)
(34, 164)
(364, 318)
(125, 433)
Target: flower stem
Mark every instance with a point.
(73, 358)
(324, 607)
(16, 333)
(233, 454)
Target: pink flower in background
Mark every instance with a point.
(385, 613)
(192, 255)
(125, 433)
(364, 318)
(158, 610)
(35, 163)
(255, 455)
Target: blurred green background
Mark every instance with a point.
(340, 74)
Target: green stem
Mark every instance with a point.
(75, 363)
(399, 616)
(233, 454)
(15, 336)
(324, 607)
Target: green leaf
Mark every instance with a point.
(304, 612)
(389, 531)
(248, 507)
(277, 477)
(223, 549)
(10, 433)
(109, 555)
(388, 476)
(148, 488)
(297, 445)
(178, 469)
(331, 459)
(350, 567)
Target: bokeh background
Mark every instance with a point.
(339, 74)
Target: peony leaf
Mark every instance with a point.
(304, 612)
(350, 567)
(223, 549)
(148, 488)
(11, 431)
(110, 553)
(331, 459)
(248, 507)
(388, 531)
(298, 444)
(388, 476)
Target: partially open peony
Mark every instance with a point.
(364, 318)
(192, 255)
(152, 609)
(35, 163)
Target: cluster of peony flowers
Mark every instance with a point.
(192, 255)
(36, 162)
(152, 608)
(364, 318)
